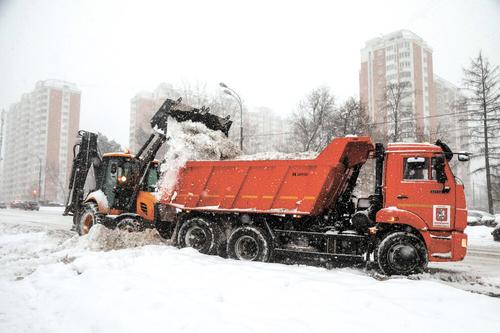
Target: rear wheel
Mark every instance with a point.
(401, 253)
(496, 234)
(249, 243)
(88, 217)
(200, 235)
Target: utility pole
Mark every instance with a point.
(1, 144)
(1, 132)
(39, 177)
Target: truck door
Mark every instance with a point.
(411, 185)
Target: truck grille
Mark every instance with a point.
(144, 207)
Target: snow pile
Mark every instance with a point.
(276, 155)
(23, 248)
(161, 288)
(481, 236)
(191, 141)
(101, 238)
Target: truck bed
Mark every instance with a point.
(298, 187)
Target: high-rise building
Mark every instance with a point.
(142, 108)
(40, 131)
(397, 74)
(264, 131)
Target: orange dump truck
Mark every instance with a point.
(260, 210)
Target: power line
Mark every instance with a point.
(462, 129)
(380, 123)
(424, 117)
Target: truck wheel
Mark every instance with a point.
(200, 235)
(249, 243)
(496, 234)
(130, 224)
(401, 253)
(88, 217)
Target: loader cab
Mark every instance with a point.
(119, 174)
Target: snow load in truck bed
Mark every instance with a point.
(301, 187)
(190, 141)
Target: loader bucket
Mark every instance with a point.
(182, 112)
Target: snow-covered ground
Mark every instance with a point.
(481, 236)
(53, 281)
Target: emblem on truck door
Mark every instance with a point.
(441, 216)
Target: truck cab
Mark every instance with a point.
(421, 192)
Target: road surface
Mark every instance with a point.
(478, 272)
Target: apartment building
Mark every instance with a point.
(264, 131)
(40, 131)
(142, 107)
(397, 74)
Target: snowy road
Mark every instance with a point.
(53, 281)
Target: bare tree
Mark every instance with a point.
(483, 81)
(311, 118)
(107, 145)
(54, 181)
(394, 101)
(349, 119)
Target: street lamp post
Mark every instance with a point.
(237, 97)
(39, 177)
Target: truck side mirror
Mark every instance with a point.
(439, 166)
(463, 157)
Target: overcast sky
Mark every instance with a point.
(271, 52)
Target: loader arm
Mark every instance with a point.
(83, 160)
(159, 122)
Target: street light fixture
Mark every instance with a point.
(237, 97)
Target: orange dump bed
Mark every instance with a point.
(301, 187)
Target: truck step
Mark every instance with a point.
(319, 255)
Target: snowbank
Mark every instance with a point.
(481, 236)
(52, 209)
(101, 238)
(159, 288)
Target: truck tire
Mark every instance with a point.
(401, 253)
(249, 243)
(130, 224)
(89, 216)
(200, 235)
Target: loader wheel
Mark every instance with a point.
(88, 217)
(249, 243)
(199, 234)
(130, 224)
(401, 253)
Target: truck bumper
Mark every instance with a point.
(447, 246)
